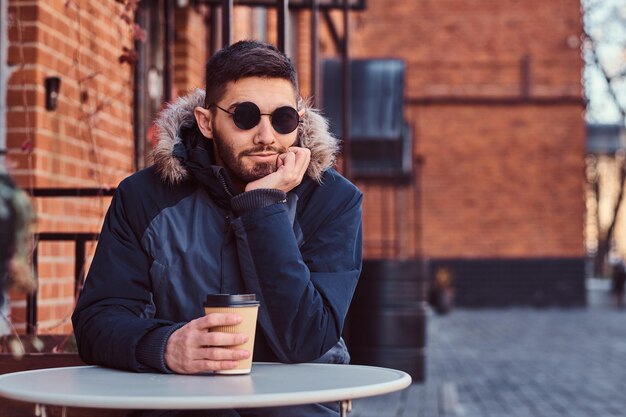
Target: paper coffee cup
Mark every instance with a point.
(247, 306)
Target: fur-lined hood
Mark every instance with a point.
(313, 134)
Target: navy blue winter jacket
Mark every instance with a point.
(169, 239)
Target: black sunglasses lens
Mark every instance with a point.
(246, 115)
(285, 119)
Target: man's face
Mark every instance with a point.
(252, 154)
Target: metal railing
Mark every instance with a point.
(80, 240)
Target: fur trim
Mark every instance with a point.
(168, 124)
(313, 134)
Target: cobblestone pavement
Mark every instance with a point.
(517, 363)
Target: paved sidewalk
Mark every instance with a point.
(517, 363)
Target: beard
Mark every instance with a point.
(235, 164)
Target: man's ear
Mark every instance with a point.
(203, 118)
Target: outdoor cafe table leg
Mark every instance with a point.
(345, 406)
(40, 411)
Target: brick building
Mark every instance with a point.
(492, 96)
(85, 142)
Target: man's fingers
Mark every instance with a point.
(214, 359)
(195, 348)
(291, 167)
(300, 151)
(221, 354)
(288, 159)
(209, 365)
(303, 157)
(222, 339)
(215, 319)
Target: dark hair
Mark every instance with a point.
(245, 59)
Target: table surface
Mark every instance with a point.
(269, 384)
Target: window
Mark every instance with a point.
(380, 139)
(149, 72)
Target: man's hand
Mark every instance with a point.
(194, 348)
(291, 167)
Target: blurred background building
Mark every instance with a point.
(603, 52)
(467, 135)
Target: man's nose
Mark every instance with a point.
(265, 131)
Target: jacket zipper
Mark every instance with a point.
(225, 185)
(228, 218)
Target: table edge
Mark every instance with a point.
(261, 400)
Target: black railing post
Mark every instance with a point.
(71, 192)
(345, 57)
(31, 302)
(314, 52)
(168, 52)
(80, 239)
(79, 264)
(283, 15)
(227, 22)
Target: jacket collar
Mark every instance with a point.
(176, 124)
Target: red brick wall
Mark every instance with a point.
(302, 36)
(390, 221)
(498, 179)
(501, 181)
(243, 25)
(475, 47)
(190, 49)
(86, 142)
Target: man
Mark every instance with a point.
(241, 199)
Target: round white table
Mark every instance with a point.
(269, 385)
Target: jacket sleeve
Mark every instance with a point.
(115, 309)
(305, 290)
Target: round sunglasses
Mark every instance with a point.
(247, 115)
